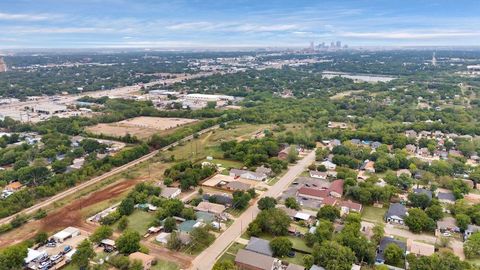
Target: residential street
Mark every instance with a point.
(206, 259)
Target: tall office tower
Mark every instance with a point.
(339, 44)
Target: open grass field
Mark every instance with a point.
(298, 243)
(373, 214)
(164, 265)
(142, 127)
(140, 221)
(208, 144)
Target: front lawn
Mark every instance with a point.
(165, 265)
(373, 214)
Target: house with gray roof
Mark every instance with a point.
(246, 259)
(259, 245)
(471, 229)
(384, 243)
(446, 197)
(396, 213)
(248, 175)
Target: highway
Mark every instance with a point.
(206, 259)
(68, 192)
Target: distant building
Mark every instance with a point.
(170, 192)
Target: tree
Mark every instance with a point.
(435, 212)
(136, 265)
(169, 224)
(472, 246)
(83, 254)
(378, 233)
(224, 265)
(266, 203)
(292, 203)
(463, 221)
(274, 221)
(12, 257)
(128, 242)
(322, 233)
(292, 154)
(328, 212)
(308, 261)
(174, 242)
(419, 200)
(418, 221)
(201, 237)
(280, 246)
(332, 255)
(126, 207)
(240, 199)
(102, 232)
(393, 255)
(122, 223)
(41, 237)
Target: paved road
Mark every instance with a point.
(206, 259)
(95, 180)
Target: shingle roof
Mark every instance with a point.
(259, 245)
(320, 193)
(423, 191)
(446, 196)
(254, 259)
(384, 243)
(396, 209)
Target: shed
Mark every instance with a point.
(65, 234)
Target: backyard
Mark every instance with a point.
(373, 214)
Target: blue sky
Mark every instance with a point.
(236, 23)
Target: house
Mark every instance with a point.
(348, 206)
(329, 165)
(312, 193)
(404, 171)
(237, 185)
(368, 166)
(13, 186)
(411, 134)
(147, 260)
(423, 191)
(249, 260)
(264, 170)
(188, 226)
(65, 234)
(209, 207)
(384, 243)
(419, 248)
(34, 254)
(170, 192)
(318, 175)
(411, 148)
(471, 229)
(469, 183)
(396, 213)
(302, 216)
(146, 207)
(316, 267)
(329, 201)
(260, 246)
(336, 189)
(283, 154)
(376, 144)
(446, 197)
(248, 175)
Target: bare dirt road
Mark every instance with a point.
(78, 188)
(206, 259)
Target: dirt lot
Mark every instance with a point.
(70, 215)
(141, 127)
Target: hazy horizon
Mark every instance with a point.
(247, 23)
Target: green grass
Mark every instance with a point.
(164, 265)
(225, 163)
(373, 214)
(140, 221)
(229, 254)
(297, 259)
(298, 243)
(474, 261)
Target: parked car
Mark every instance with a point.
(56, 258)
(67, 249)
(447, 234)
(108, 249)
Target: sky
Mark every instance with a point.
(236, 23)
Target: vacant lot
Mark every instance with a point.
(141, 127)
(373, 214)
(140, 221)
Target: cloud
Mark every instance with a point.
(231, 27)
(24, 17)
(409, 35)
(58, 30)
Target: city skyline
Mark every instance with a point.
(190, 24)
